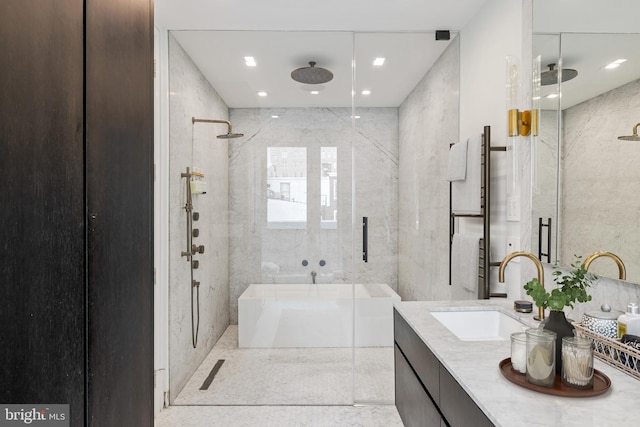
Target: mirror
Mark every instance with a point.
(584, 177)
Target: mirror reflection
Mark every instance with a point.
(587, 176)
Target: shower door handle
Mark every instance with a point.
(365, 227)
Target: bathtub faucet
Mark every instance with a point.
(313, 277)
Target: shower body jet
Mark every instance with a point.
(227, 135)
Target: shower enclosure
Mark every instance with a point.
(284, 205)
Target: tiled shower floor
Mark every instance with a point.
(297, 387)
(279, 416)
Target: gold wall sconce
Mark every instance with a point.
(522, 123)
(519, 123)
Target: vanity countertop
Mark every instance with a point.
(474, 364)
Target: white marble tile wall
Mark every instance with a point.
(601, 179)
(196, 146)
(259, 254)
(428, 124)
(376, 169)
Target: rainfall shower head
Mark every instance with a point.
(230, 134)
(312, 75)
(550, 77)
(633, 137)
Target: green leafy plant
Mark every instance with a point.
(572, 287)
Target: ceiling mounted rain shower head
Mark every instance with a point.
(229, 135)
(633, 137)
(550, 77)
(312, 75)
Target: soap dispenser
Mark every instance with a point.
(629, 323)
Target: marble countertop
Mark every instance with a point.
(474, 364)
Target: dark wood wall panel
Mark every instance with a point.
(119, 118)
(42, 254)
(76, 177)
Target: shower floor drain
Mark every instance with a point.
(205, 385)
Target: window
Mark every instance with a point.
(286, 187)
(329, 187)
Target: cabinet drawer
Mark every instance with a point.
(414, 404)
(418, 354)
(456, 405)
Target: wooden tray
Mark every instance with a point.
(601, 383)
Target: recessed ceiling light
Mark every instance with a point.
(315, 92)
(615, 64)
(274, 117)
(378, 61)
(552, 95)
(366, 92)
(262, 93)
(355, 117)
(249, 61)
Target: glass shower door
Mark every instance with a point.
(296, 312)
(291, 222)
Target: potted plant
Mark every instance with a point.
(571, 287)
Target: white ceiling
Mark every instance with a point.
(306, 15)
(219, 55)
(283, 35)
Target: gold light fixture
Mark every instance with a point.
(520, 123)
(523, 123)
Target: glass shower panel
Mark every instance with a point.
(277, 322)
(404, 109)
(292, 267)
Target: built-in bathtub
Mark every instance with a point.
(301, 315)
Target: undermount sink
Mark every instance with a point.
(479, 325)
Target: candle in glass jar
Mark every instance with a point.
(519, 352)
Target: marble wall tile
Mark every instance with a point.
(196, 146)
(428, 124)
(261, 254)
(376, 194)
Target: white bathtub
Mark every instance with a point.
(316, 315)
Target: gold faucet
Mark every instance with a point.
(622, 272)
(538, 264)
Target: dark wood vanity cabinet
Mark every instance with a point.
(426, 393)
(414, 404)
